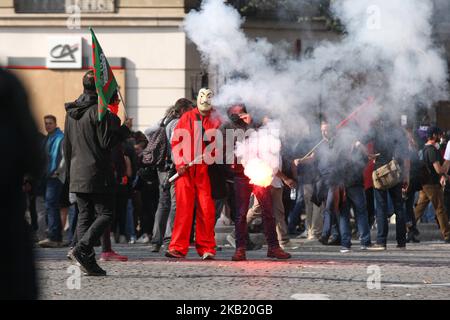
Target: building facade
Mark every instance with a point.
(153, 61)
(48, 45)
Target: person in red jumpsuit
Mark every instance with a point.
(193, 188)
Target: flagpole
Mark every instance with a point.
(123, 103)
(343, 123)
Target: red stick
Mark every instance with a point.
(344, 122)
(352, 115)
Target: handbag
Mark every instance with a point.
(387, 176)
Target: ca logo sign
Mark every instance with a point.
(74, 281)
(374, 279)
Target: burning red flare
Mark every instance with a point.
(259, 172)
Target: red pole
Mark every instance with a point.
(352, 115)
(344, 122)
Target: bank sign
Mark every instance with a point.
(64, 53)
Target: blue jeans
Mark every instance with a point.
(299, 207)
(130, 229)
(356, 198)
(330, 227)
(383, 215)
(52, 205)
(429, 215)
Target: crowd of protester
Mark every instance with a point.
(327, 196)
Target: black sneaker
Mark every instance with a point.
(253, 246)
(323, 241)
(76, 256)
(334, 242)
(95, 270)
(411, 236)
(156, 247)
(86, 262)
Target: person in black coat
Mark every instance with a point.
(87, 149)
(20, 155)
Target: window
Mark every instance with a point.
(40, 6)
(64, 6)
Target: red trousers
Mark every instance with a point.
(193, 188)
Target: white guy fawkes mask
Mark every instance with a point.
(204, 100)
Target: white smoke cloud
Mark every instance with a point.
(260, 153)
(387, 53)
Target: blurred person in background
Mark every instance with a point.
(54, 182)
(19, 136)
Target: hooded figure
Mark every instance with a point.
(88, 145)
(87, 149)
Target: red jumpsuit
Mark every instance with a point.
(193, 187)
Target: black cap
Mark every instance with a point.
(433, 131)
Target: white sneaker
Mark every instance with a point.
(303, 235)
(345, 250)
(132, 240)
(231, 240)
(208, 256)
(288, 246)
(144, 239)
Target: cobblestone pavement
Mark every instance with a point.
(315, 271)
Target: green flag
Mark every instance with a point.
(105, 82)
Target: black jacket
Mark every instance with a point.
(88, 144)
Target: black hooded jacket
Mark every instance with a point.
(88, 144)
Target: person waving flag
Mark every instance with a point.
(105, 82)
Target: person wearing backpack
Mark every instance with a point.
(165, 213)
(193, 185)
(390, 176)
(431, 183)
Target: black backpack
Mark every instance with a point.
(157, 151)
(424, 171)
